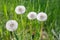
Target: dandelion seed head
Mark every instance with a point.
(20, 9)
(11, 25)
(42, 16)
(32, 15)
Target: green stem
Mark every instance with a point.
(11, 36)
(22, 26)
(31, 29)
(41, 30)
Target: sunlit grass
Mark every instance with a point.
(7, 12)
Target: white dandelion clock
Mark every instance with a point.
(20, 9)
(32, 15)
(11, 25)
(42, 16)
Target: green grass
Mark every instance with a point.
(7, 12)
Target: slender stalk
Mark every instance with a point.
(22, 26)
(11, 36)
(41, 30)
(31, 29)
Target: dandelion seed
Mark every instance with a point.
(11, 25)
(42, 16)
(32, 15)
(20, 9)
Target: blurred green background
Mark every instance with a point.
(7, 12)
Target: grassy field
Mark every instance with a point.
(7, 12)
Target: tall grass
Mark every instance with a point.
(7, 12)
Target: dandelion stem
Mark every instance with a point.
(11, 36)
(41, 30)
(22, 25)
(31, 29)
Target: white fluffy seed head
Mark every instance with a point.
(42, 16)
(11, 25)
(20, 9)
(32, 15)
